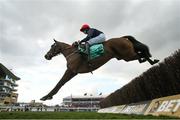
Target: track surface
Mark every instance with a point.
(72, 115)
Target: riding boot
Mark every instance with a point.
(87, 51)
(88, 54)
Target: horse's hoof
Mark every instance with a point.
(46, 98)
(49, 98)
(156, 60)
(43, 99)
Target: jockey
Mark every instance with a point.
(94, 36)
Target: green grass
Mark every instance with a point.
(72, 115)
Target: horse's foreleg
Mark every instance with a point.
(66, 77)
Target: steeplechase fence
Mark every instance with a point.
(168, 106)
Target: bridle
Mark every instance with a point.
(76, 51)
(68, 48)
(62, 50)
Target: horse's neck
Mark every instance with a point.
(66, 49)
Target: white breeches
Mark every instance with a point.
(99, 39)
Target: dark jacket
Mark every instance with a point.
(91, 34)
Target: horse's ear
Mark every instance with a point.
(54, 40)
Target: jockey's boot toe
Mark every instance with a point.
(156, 61)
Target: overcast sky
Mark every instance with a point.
(27, 28)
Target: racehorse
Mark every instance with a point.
(123, 48)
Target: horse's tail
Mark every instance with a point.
(138, 46)
(131, 38)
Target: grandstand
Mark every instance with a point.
(82, 103)
(8, 84)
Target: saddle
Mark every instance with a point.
(96, 50)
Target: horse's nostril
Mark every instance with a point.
(48, 57)
(45, 56)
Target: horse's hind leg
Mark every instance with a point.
(134, 56)
(145, 55)
(152, 62)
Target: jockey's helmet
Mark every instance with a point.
(85, 27)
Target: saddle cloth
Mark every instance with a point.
(96, 50)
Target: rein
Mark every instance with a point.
(71, 53)
(67, 48)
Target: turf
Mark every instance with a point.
(73, 115)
